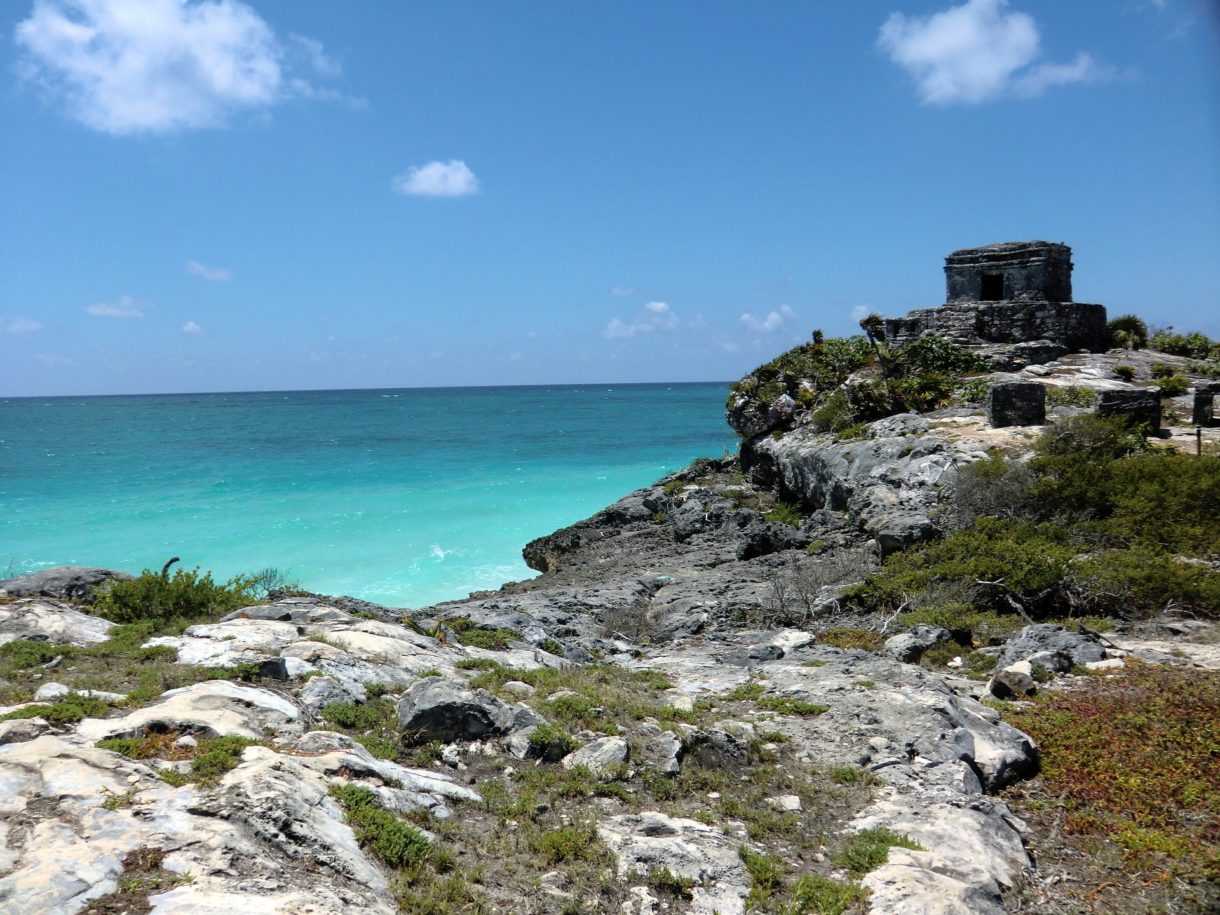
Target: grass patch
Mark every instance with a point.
(210, 759)
(766, 876)
(784, 513)
(864, 639)
(391, 840)
(813, 894)
(568, 844)
(665, 882)
(143, 876)
(598, 696)
(68, 710)
(868, 849)
(551, 743)
(785, 705)
(470, 633)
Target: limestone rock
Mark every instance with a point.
(924, 882)
(649, 841)
(1016, 681)
(599, 756)
(438, 709)
(66, 582)
(212, 708)
(51, 621)
(909, 646)
(1081, 647)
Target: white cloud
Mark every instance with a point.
(125, 307)
(437, 179)
(19, 325)
(772, 322)
(215, 274)
(977, 52)
(654, 316)
(860, 312)
(190, 327)
(622, 291)
(158, 66)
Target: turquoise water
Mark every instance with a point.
(403, 497)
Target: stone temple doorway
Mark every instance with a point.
(992, 287)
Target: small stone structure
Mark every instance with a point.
(1204, 412)
(1009, 293)
(1139, 406)
(1016, 403)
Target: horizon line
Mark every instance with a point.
(433, 387)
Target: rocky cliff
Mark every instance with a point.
(686, 711)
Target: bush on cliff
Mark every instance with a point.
(1093, 523)
(185, 594)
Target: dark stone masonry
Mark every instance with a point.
(1016, 403)
(1015, 292)
(1140, 406)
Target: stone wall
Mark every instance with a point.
(1027, 271)
(1074, 325)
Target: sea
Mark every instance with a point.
(402, 497)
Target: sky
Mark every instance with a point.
(213, 195)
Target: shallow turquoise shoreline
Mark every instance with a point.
(404, 497)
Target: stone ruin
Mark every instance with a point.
(1016, 293)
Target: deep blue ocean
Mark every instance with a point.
(403, 497)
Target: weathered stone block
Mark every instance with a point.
(1142, 407)
(1016, 403)
(1204, 411)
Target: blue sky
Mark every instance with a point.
(201, 196)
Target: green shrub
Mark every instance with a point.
(1127, 332)
(785, 513)
(390, 839)
(1174, 386)
(813, 894)
(1160, 370)
(470, 633)
(766, 876)
(868, 849)
(1069, 396)
(1194, 344)
(937, 355)
(22, 654)
(551, 743)
(159, 596)
(1022, 561)
(217, 755)
(568, 843)
(1125, 372)
(665, 882)
(68, 710)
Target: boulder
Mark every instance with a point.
(1016, 681)
(66, 582)
(1081, 646)
(909, 646)
(599, 756)
(43, 620)
(438, 709)
(214, 708)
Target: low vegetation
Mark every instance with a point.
(1128, 773)
(1097, 523)
(185, 594)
